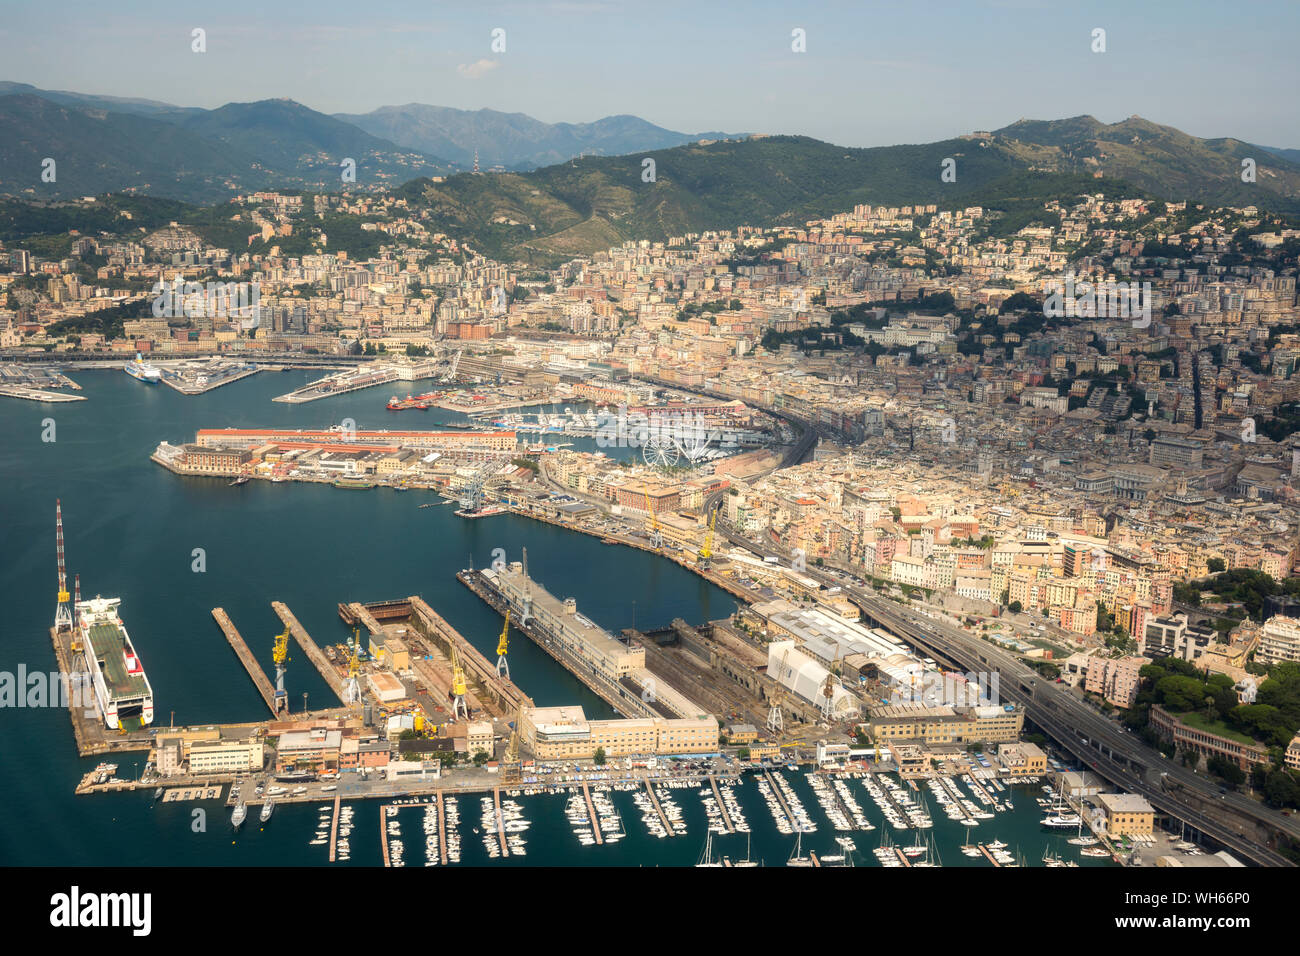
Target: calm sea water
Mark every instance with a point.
(131, 529)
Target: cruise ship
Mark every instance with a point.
(121, 687)
(142, 370)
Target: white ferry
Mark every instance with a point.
(143, 371)
(116, 673)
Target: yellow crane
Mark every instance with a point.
(352, 689)
(459, 686)
(280, 655)
(503, 643)
(656, 536)
(706, 550)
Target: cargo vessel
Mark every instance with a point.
(121, 687)
(143, 371)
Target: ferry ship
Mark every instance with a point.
(117, 675)
(143, 371)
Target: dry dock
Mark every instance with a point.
(260, 680)
(314, 653)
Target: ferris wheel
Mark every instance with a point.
(661, 452)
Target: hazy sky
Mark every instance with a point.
(875, 73)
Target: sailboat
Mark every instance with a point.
(746, 861)
(707, 858)
(916, 849)
(1080, 839)
(797, 858)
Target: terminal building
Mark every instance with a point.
(565, 733)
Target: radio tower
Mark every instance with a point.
(62, 612)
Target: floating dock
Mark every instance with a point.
(654, 802)
(334, 826)
(501, 823)
(717, 795)
(442, 830)
(260, 680)
(591, 814)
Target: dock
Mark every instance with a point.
(988, 856)
(334, 828)
(780, 798)
(717, 795)
(383, 833)
(314, 653)
(813, 858)
(260, 680)
(501, 824)
(38, 395)
(654, 802)
(591, 814)
(903, 857)
(442, 831)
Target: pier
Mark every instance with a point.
(260, 680)
(654, 802)
(903, 858)
(37, 394)
(442, 830)
(717, 795)
(314, 653)
(988, 856)
(591, 814)
(780, 798)
(334, 827)
(501, 823)
(383, 833)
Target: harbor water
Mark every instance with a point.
(173, 548)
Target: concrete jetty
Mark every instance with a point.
(260, 680)
(314, 653)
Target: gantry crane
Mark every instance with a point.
(775, 721)
(656, 536)
(280, 655)
(510, 769)
(459, 687)
(706, 550)
(352, 689)
(503, 668)
(62, 610)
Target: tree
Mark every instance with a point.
(1215, 565)
(480, 757)
(599, 758)
(1015, 607)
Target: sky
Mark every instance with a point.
(872, 73)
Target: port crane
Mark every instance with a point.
(62, 610)
(510, 768)
(503, 667)
(775, 720)
(280, 655)
(656, 536)
(706, 549)
(459, 687)
(352, 689)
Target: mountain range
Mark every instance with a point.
(514, 141)
(578, 205)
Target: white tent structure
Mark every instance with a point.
(805, 678)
